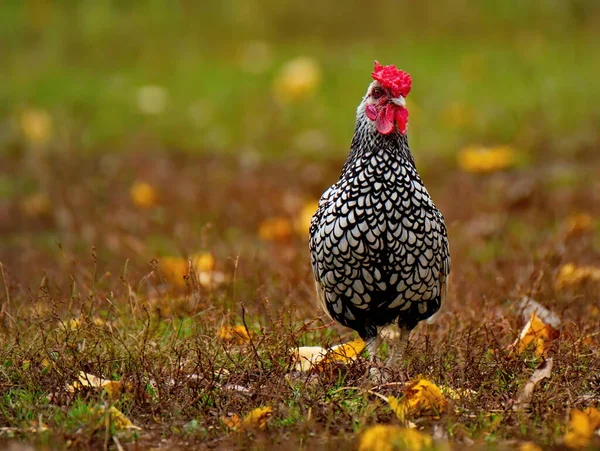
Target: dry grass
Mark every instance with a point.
(83, 289)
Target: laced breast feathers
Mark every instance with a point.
(379, 245)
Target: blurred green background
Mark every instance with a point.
(202, 76)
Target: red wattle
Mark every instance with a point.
(401, 119)
(385, 120)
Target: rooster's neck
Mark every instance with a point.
(368, 142)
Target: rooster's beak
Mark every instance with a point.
(399, 101)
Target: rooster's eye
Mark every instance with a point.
(377, 93)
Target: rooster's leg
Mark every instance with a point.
(399, 347)
(373, 344)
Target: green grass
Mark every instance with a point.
(528, 82)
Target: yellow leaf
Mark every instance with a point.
(297, 79)
(74, 323)
(346, 352)
(308, 357)
(529, 446)
(581, 427)
(570, 275)
(594, 417)
(143, 195)
(174, 269)
(305, 216)
(389, 438)
(234, 334)
(117, 418)
(275, 229)
(486, 159)
(421, 397)
(36, 126)
(112, 388)
(578, 223)
(257, 418)
(203, 261)
(36, 205)
(535, 332)
(232, 422)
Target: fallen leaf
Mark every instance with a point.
(113, 388)
(525, 395)
(275, 229)
(529, 446)
(175, 269)
(535, 332)
(421, 397)
(256, 419)
(232, 422)
(204, 261)
(570, 275)
(307, 358)
(529, 306)
(234, 334)
(389, 438)
(143, 195)
(346, 352)
(582, 426)
(305, 216)
(577, 224)
(297, 79)
(117, 418)
(478, 159)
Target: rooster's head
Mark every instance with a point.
(385, 100)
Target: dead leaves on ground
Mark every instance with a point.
(307, 358)
(143, 195)
(571, 275)
(421, 398)
(114, 389)
(176, 270)
(281, 229)
(234, 334)
(388, 438)
(582, 427)
(117, 418)
(541, 328)
(255, 419)
(483, 160)
(525, 395)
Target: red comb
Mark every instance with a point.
(393, 79)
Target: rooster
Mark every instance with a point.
(378, 244)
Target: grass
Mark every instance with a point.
(84, 285)
(99, 303)
(528, 83)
